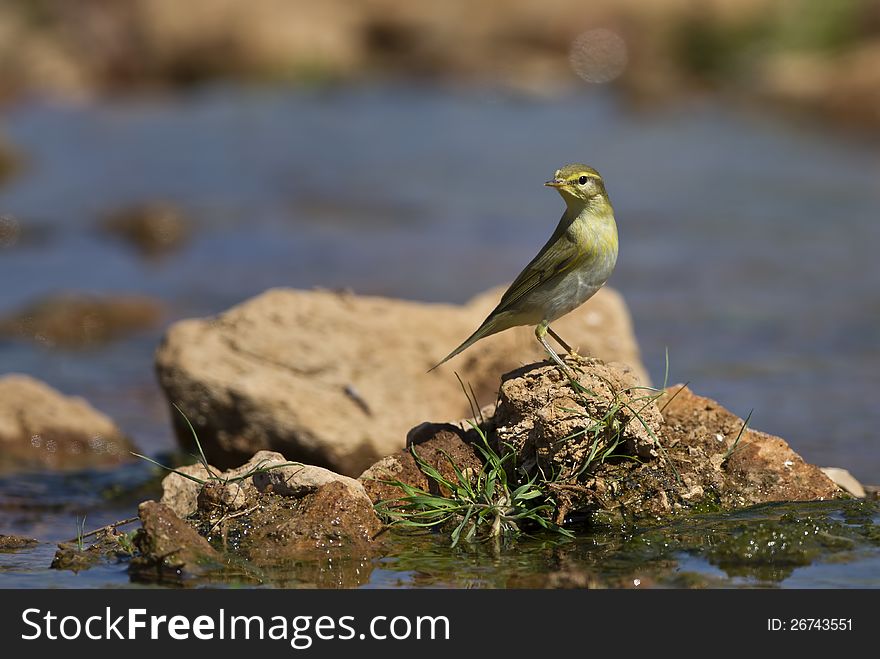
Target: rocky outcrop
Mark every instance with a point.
(615, 449)
(41, 428)
(337, 380)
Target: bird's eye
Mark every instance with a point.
(582, 180)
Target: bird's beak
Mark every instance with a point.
(555, 183)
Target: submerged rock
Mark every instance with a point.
(79, 321)
(11, 161)
(108, 543)
(153, 229)
(41, 428)
(336, 380)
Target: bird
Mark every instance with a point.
(575, 262)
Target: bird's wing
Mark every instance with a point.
(557, 257)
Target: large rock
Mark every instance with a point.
(41, 428)
(337, 380)
(623, 451)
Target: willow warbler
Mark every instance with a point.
(569, 269)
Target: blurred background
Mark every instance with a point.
(163, 159)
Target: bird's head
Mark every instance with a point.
(580, 185)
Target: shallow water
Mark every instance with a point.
(747, 243)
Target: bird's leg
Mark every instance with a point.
(540, 333)
(571, 351)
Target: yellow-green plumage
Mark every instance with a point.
(574, 263)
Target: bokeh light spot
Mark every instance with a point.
(598, 55)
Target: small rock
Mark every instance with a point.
(78, 321)
(298, 480)
(440, 445)
(168, 546)
(11, 542)
(154, 229)
(845, 480)
(41, 428)
(181, 494)
(400, 466)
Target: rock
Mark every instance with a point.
(298, 480)
(327, 518)
(231, 492)
(619, 451)
(702, 438)
(439, 445)
(269, 510)
(108, 544)
(218, 498)
(181, 494)
(556, 430)
(11, 163)
(336, 380)
(42, 429)
(267, 472)
(168, 546)
(77, 321)
(400, 466)
(12, 542)
(153, 229)
(845, 480)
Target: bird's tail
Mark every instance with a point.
(489, 326)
